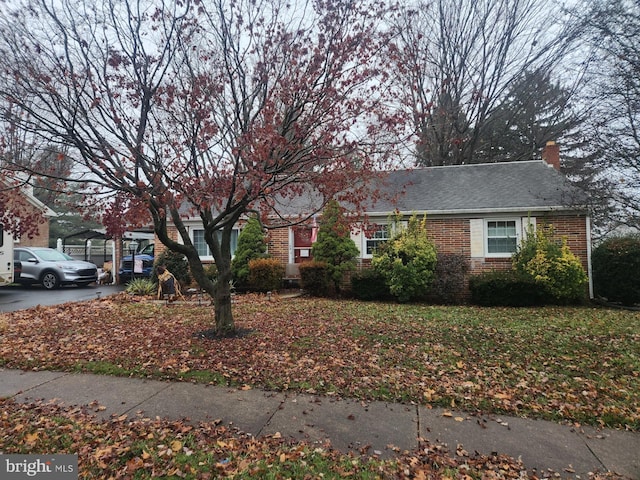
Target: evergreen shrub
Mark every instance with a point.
(211, 272)
(314, 278)
(265, 274)
(141, 286)
(506, 289)
(551, 265)
(334, 245)
(252, 244)
(369, 285)
(176, 263)
(616, 269)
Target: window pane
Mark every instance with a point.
(501, 236)
(200, 244)
(203, 248)
(377, 238)
(234, 241)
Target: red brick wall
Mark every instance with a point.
(159, 246)
(278, 244)
(41, 239)
(451, 235)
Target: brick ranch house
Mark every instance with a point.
(480, 211)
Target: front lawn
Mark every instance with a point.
(565, 364)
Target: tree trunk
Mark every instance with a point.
(222, 298)
(220, 292)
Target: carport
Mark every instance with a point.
(87, 236)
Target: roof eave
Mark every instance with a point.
(483, 211)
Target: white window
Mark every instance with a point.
(202, 247)
(376, 237)
(502, 237)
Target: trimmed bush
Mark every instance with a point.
(265, 274)
(506, 289)
(369, 285)
(314, 278)
(616, 269)
(176, 263)
(407, 261)
(449, 282)
(252, 245)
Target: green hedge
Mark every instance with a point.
(265, 274)
(616, 269)
(369, 285)
(314, 278)
(506, 289)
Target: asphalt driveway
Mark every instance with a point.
(14, 298)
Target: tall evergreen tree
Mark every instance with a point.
(251, 245)
(457, 59)
(613, 29)
(534, 111)
(334, 245)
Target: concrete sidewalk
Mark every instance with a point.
(349, 425)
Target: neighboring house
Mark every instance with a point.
(37, 211)
(480, 211)
(29, 207)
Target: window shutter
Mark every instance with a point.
(526, 221)
(476, 229)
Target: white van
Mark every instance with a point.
(6, 257)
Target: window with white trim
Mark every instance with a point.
(375, 238)
(202, 247)
(502, 237)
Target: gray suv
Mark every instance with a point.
(52, 268)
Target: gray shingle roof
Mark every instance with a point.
(463, 189)
(509, 186)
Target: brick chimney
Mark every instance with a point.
(551, 154)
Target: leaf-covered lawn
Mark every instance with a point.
(569, 364)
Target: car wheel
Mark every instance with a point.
(50, 280)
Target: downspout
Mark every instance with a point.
(589, 269)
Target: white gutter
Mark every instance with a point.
(476, 211)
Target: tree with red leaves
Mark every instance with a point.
(206, 109)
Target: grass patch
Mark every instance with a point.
(205, 376)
